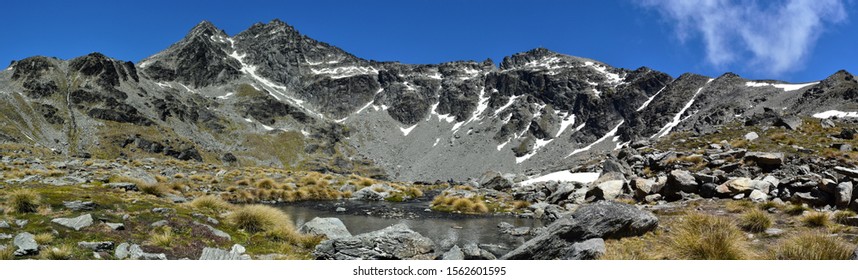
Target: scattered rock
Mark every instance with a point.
(606, 190)
(163, 211)
(219, 254)
(766, 159)
(330, 228)
(826, 123)
(751, 136)
(843, 195)
(160, 223)
(115, 226)
(497, 181)
(123, 186)
(4, 224)
(758, 196)
(774, 232)
(76, 223)
(846, 171)
(680, 181)
(846, 133)
(21, 223)
(26, 244)
(742, 186)
(216, 232)
(473, 252)
(590, 249)
(340, 209)
(134, 252)
(5, 236)
(78, 205)
(391, 243)
(99, 246)
(454, 254)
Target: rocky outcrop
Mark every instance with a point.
(396, 242)
(330, 228)
(580, 235)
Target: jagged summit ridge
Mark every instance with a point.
(538, 111)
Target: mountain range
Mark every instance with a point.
(272, 96)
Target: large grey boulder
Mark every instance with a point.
(75, 223)
(606, 190)
(330, 228)
(680, 180)
(603, 219)
(497, 181)
(396, 242)
(843, 195)
(26, 244)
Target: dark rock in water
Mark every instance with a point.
(603, 219)
(473, 252)
(454, 254)
(396, 242)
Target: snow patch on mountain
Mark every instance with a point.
(607, 135)
(678, 117)
(785, 87)
(563, 176)
(835, 113)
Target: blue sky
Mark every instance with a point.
(792, 40)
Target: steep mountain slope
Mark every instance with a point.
(272, 96)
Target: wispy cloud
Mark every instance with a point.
(773, 36)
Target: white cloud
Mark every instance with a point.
(774, 36)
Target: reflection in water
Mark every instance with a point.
(444, 231)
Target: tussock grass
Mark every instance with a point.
(738, 206)
(44, 238)
(473, 205)
(816, 219)
(259, 218)
(755, 220)
(23, 201)
(706, 237)
(62, 252)
(770, 204)
(8, 253)
(213, 203)
(266, 183)
(158, 190)
(812, 246)
(164, 238)
(841, 216)
(796, 209)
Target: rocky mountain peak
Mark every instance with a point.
(204, 29)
